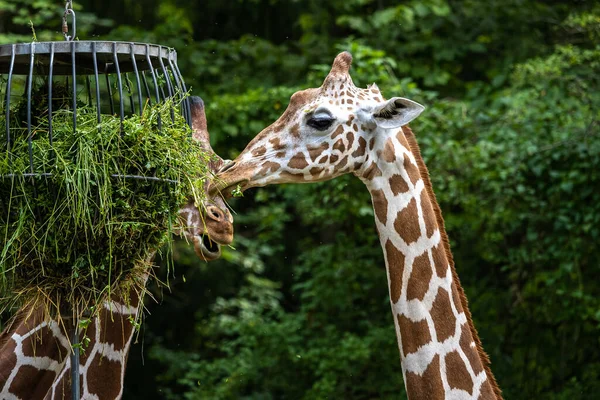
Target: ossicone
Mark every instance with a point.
(342, 63)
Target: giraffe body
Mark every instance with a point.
(36, 360)
(339, 128)
(35, 352)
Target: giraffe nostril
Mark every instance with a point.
(214, 213)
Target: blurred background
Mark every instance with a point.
(299, 309)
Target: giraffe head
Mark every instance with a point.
(209, 225)
(324, 132)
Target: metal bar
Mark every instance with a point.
(95, 59)
(180, 87)
(168, 81)
(26, 175)
(147, 87)
(29, 88)
(110, 96)
(137, 79)
(186, 100)
(50, 138)
(120, 83)
(8, 90)
(128, 86)
(50, 74)
(74, 74)
(88, 87)
(173, 72)
(29, 134)
(149, 60)
(144, 178)
(75, 393)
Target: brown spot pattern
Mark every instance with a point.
(443, 318)
(268, 167)
(407, 223)
(398, 184)
(339, 145)
(333, 158)
(440, 260)
(295, 130)
(259, 151)
(99, 375)
(411, 170)
(362, 147)
(380, 205)
(471, 352)
(338, 131)
(48, 347)
(414, 334)
(372, 171)
(456, 298)
(116, 330)
(315, 170)
(276, 143)
(458, 376)
(418, 284)
(342, 163)
(395, 260)
(293, 177)
(32, 382)
(389, 154)
(429, 386)
(315, 152)
(428, 214)
(372, 143)
(298, 161)
(9, 358)
(402, 139)
(350, 138)
(486, 391)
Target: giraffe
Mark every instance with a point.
(337, 129)
(34, 353)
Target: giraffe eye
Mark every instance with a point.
(321, 123)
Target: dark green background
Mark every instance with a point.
(299, 310)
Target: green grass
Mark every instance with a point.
(69, 240)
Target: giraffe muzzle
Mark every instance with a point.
(205, 248)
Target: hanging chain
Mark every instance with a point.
(65, 27)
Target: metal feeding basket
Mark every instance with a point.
(118, 79)
(142, 73)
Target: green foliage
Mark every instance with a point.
(75, 236)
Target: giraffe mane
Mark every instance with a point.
(414, 148)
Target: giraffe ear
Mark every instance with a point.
(396, 112)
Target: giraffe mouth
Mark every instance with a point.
(206, 248)
(233, 188)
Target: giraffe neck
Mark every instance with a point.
(441, 354)
(34, 354)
